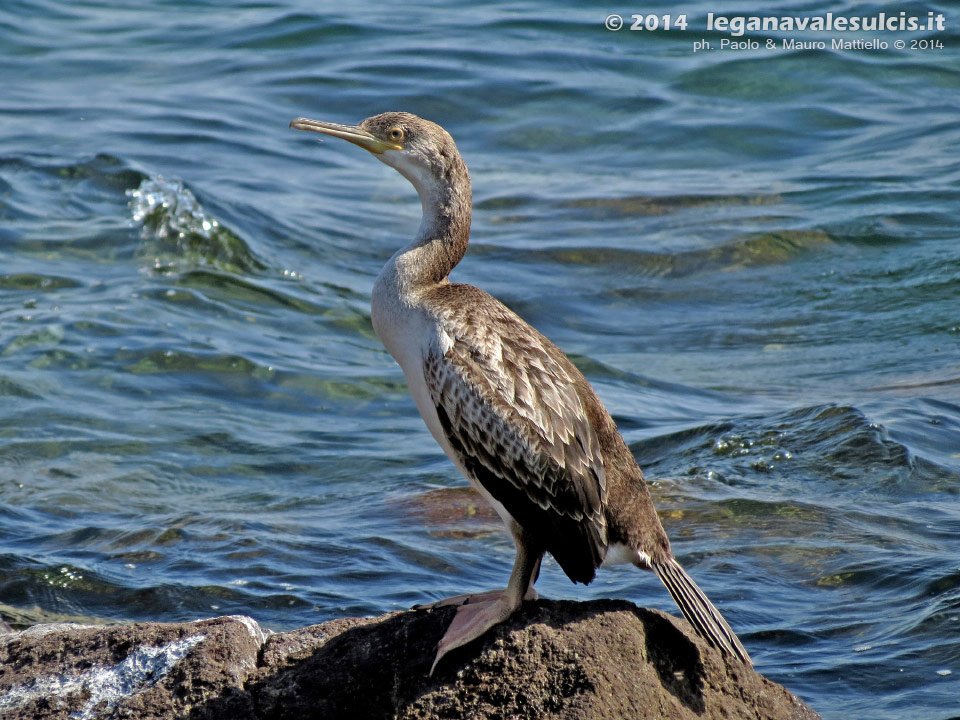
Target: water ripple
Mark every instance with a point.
(752, 256)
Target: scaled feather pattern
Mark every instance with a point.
(511, 411)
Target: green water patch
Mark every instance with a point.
(103, 171)
(154, 362)
(775, 79)
(35, 283)
(755, 250)
(651, 205)
(263, 385)
(45, 336)
(20, 618)
(243, 291)
(11, 388)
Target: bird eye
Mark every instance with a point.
(396, 133)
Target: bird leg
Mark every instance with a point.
(475, 598)
(479, 612)
(471, 599)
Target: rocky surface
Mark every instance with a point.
(601, 659)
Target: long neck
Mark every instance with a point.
(444, 232)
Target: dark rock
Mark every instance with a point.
(601, 659)
(142, 670)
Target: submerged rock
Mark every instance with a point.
(601, 659)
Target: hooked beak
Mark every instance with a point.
(351, 133)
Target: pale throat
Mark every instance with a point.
(428, 188)
(440, 240)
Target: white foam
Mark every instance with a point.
(167, 209)
(252, 627)
(141, 669)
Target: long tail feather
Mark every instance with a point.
(699, 611)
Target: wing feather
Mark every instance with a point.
(507, 401)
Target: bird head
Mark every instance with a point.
(422, 151)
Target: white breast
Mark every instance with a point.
(407, 330)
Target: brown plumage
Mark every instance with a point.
(508, 401)
(506, 405)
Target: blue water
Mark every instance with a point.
(753, 255)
